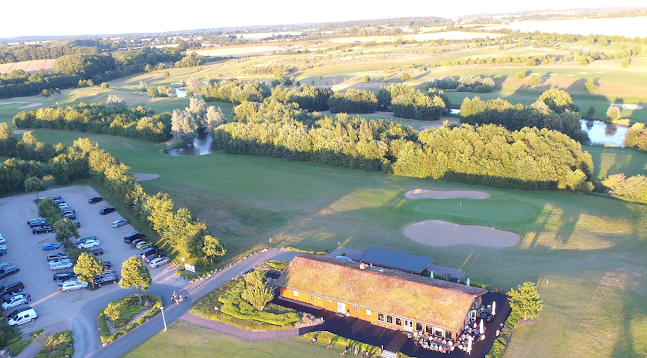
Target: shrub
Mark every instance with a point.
(613, 113)
(278, 264)
(309, 252)
(323, 337)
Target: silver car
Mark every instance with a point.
(159, 262)
(61, 266)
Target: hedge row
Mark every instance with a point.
(106, 337)
(325, 336)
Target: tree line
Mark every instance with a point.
(531, 158)
(188, 237)
(101, 119)
(553, 110)
(21, 53)
(464, 83)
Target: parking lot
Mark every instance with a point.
(25, 251)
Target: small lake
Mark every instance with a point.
(202, 144)
(180, 93)
(604, 133)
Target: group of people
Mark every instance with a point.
(177, 298)
(437, 345)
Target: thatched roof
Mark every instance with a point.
(422, 299)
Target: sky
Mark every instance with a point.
(83, 17)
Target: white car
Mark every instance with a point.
(59, 261)
(89, 244)
(119, 223)
(159, 262)
(71, 286)
(63, 205)
(2, 239)
(14, 301)
(23, 317)
(61, 266)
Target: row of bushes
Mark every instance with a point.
(466, 83)
(64, 350)
(194, 276)
(309, 252)
(235, 306)
(104, 331)
(325, 337)
(501, 342)
(101, 119)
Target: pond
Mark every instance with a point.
(604, 133)
(202, 144)
(180, 93)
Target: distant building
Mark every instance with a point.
(386, 297)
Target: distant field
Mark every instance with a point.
(240, 51)
(451, 35)
(625, 26)
(28, 66)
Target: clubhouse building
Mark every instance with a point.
(387, 297)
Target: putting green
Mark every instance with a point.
(491, 211)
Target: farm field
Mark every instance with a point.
(28, 66)
(585, 248)
(626, 26)
(186, 340)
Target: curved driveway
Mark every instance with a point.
(86, 330)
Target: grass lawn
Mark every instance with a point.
(186, 340)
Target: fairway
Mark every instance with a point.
(186, 340)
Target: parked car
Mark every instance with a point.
(71, 279)
(68, 211)
(9, 271)
(2, 239)
(56, 255)
(10, 296)
(106, 211)
(59, 261)
(119, 223)
(89, 244)
(142, 244)
(149, 251)
(11, 287)
(70, 216)
(61, 266)
(78, 224)
(16, 300)
(63, 275)
(136, 241)
(56, 197)
(37, 223)
(95, 199)
(96, 251)
(106, 263)
(84, 239)
(105, 273)
(133, 236)
(71, 286)
(3, 251)
(23, 317)
(18, 310)
(63, 205)
(30, 221)
(160, 261)
(3, 248)
(106, 278)
(49, 246)
(59, 201)
(41, 230)
(152, 257)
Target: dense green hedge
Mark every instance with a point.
(325, 337)
(132, 300)
(500, 344)
(278, 264)
(353, 101)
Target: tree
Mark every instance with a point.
(406, 77)
(34, 184)
(531, 62)
(590, 85)
(47, 208)
(287, 82)
(367, 78)
(143, 86)
(115, 102)
(591, 112)
(214, 118)
(613, 113)
(113, 311)
(134, 273)
(105, 85)
(257, 292)
(183, 126)
(166, 74)
(115, 45)
(625, 63)
(8, 141)
(65, 229)
(212, 248)
(45, 92)
(534, 81)
(526, 300)
(521, 75)
(151, 92)
(50, 342)
(87, 266)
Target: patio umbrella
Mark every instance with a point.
(493, 308)
(481, 327)
(469, 345)
(468, 282)
(431, 274)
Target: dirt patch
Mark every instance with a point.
(31, 105)
(440, 194)
(144, 176)
(444, 233)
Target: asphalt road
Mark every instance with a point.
(85, 328)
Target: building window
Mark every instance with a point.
(389, 319)
(312, 297)
(418, 327)
(438, 332)
(368, 312)
(429, 330)
(295, 293)
(449, 335)
(398, 322)
(355, 309)
(380, 317)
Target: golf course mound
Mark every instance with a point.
(439, 194)
(444, 233)
(145, 176)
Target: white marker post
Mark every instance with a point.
(163, 318)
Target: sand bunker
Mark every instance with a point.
(439, 194)
(627, 106)
(144, 176)
(2, 103)
(444, 233)
(30, 105)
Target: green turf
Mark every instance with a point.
(186, 340)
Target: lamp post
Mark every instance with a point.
(163, 318)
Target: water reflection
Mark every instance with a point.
(202, 144)
(604, 133)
